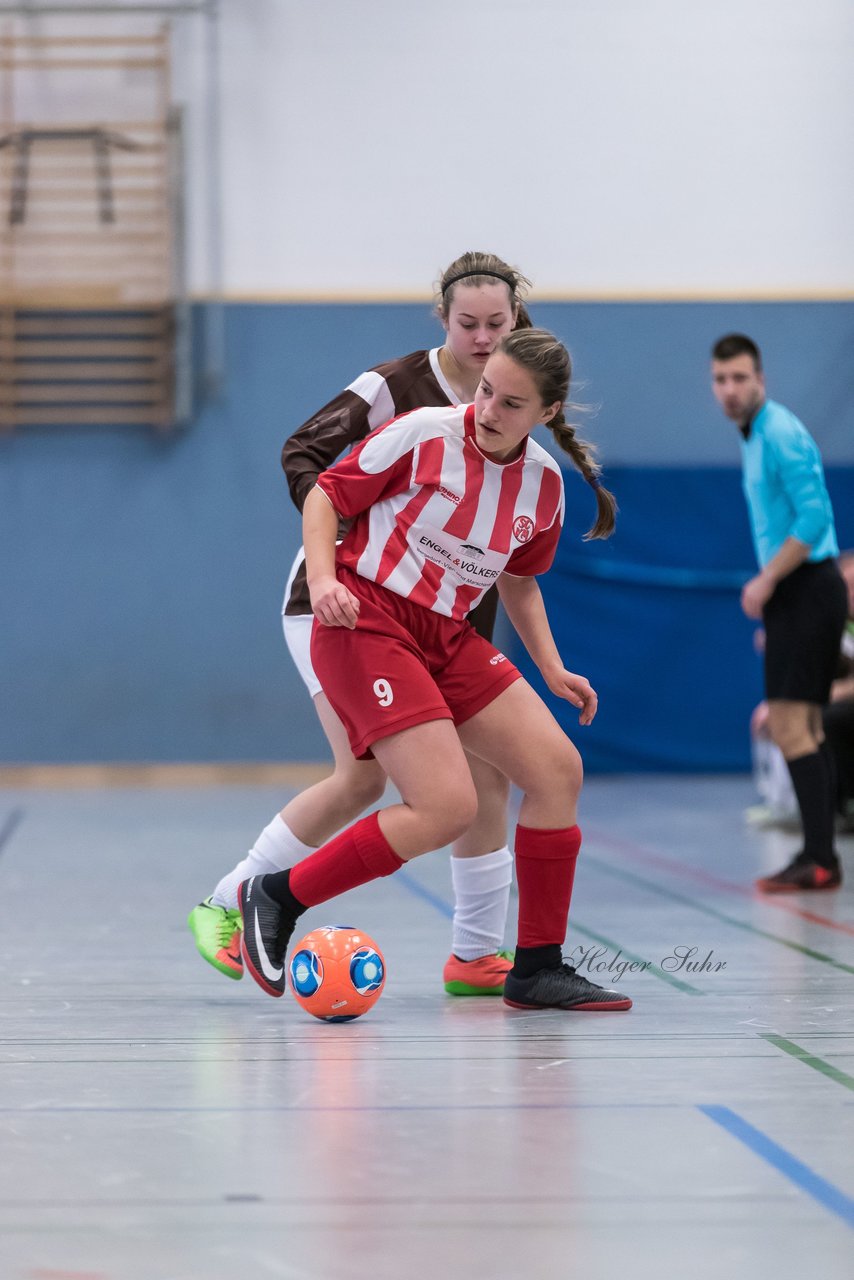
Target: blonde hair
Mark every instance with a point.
(549, 364)
(474, 269)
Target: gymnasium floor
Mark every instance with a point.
(160, 1122)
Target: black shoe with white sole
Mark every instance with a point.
(267, 930)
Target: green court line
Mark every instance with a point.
(447, 910)
(809, 1060)
(650, 968)
(718, 915)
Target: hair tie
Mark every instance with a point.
(466, 275)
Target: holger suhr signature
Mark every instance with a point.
(681, 959)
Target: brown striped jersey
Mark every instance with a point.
(376, 396)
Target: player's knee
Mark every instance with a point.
(370, 789)
(492, 786)
(551, 766)
(565, 770)
(361, 782)
(456, 813)
(790, 731)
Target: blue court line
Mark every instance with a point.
(403, 877)
(9, 827)
(795, 1170)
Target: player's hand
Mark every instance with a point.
(755, 594)
(332, 604)
(759, 720)
(575, 689)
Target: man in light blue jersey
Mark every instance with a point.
(798, 593)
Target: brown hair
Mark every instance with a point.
(548, 362)
(737, 344)
(475, 269)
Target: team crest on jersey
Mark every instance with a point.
(523, 528)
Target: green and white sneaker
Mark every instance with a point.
(217, 934)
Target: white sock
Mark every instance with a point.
(276, 848)
(481, 896)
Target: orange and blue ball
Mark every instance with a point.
(337, 973)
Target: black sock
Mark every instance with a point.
(826, 753)
(277, 885)
(529, 960)
(811, 781)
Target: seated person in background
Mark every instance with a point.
(778, 806)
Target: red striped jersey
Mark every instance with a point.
(435, 519)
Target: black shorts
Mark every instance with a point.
(804, 621)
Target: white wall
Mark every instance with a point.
(606, 146)
(609, 147)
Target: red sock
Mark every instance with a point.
(545, 870)
(357, 855)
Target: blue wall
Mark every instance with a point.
(140, 578)
(652, 618)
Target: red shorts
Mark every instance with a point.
(403, 665)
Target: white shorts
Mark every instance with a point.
(298, 635)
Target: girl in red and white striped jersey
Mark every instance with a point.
(479, 299)
(444, 502)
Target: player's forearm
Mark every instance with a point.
(792, 554)
(319, 533)
(523, 602)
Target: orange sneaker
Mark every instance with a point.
(482, 977)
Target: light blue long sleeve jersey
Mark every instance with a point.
(783, 482)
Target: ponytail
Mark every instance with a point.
(584, 457)
(547, 360)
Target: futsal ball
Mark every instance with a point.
(337, 973)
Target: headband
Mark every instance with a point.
(466, 275)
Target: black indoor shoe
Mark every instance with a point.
(561, 988)
(802, 875)
(267, 931)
